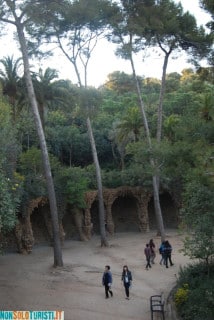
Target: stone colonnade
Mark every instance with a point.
(109, 196)
(24, 233)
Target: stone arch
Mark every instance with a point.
(23, 229)
(140, 198)
(39, 211)
(69, 226)
(73, 221)
(38, 224)
(35, 226)
(41, 205)
(125, 214)
(169, 211)
(95, 217)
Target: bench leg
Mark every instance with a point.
(163, 315)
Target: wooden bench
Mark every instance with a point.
(157, 305)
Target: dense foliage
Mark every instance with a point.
(194, 297)
(10, 181)
(185, 150)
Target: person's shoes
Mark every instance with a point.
(127, 298)
(107, 297)
(172, 264)
(167, 267)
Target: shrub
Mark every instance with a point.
(181, 295)
(194, 298)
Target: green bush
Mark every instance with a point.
(9, 201)
(194, 298)
(181, 295)
(72, 183)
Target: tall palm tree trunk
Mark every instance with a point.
(160, 103)
(157, 206)
(74, 60)
(104, 241)
(161, 96)
(50, 186)
(103, 238)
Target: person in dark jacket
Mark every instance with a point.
(127, 280)
(107, 281)
(161, 251)
(167, 253)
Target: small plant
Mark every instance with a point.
(181, 295)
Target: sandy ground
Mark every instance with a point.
(31, 283)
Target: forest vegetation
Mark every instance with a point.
(131, 131)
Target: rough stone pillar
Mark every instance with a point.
(143, 215)
(109, 221)
(79, 218)
(24, 235)
(87, 227)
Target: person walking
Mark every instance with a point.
(107, 281)
(161, 251)
(127, 280)
(152, 248)
(147, 252)
(167, 253)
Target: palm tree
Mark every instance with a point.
(131, 123)
(12, 83)
(45, 89)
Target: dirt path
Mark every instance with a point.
(30, 283)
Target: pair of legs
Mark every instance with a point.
(148, 263)
(153, 258)
(162, 260)
(108, 290)
(168, 257)
(126, 285)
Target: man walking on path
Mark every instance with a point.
(107, 281)
(167, 253)
(147, 252)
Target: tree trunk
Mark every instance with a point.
(104, 241)
(161, 96)
(160, 103)
(157, 206)
(50, 186)
(74, 60)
